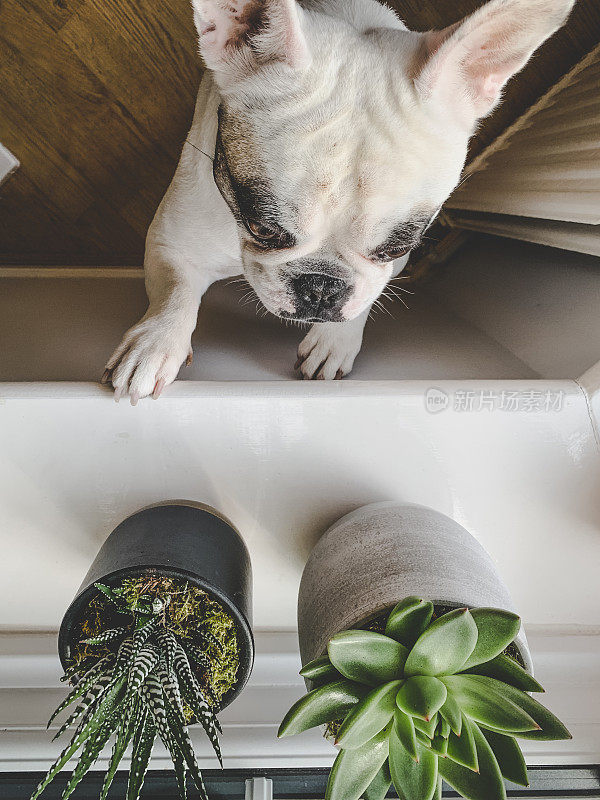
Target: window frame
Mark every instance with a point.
(562, 782)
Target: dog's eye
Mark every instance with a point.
(269, 235)
(390, 253)
(263, 230)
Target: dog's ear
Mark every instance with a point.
(468, 63)
(237, 35)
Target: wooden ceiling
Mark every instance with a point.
(95, 100)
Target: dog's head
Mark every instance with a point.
(341, 133)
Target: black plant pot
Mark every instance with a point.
(179, 539)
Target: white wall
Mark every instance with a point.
(540, 303)
(284, 460)
(66, 328)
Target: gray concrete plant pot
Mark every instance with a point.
(379, 554)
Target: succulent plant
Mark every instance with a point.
(428, 699)
(145, 686)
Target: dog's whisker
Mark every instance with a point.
(399, 288)
(381, 305)
(390, 293)
(259, 308)
(248, 297)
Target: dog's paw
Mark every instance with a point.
(148, 358)
(328, 350)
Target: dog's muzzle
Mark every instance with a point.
(318, 297)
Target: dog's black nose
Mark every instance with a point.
(319, 296)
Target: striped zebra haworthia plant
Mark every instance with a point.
(145, 686)
(428, 699)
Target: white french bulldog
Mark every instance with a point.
(325, 139)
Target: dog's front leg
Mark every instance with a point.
(192, 242)
(328, 350)
(152, 351)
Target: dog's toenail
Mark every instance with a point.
(339, 375)
(158, 387)
(298, 363)
(105, 376)
(134, 398)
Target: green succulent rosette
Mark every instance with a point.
(431, 698)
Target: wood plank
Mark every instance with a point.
(107, 146)
(32, 233)
(28, 223)
(124, 246)
(62, 186)
(160, 95)
(54, 12)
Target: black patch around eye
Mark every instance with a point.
(224, 181)
(405, 236)
(248, 201)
